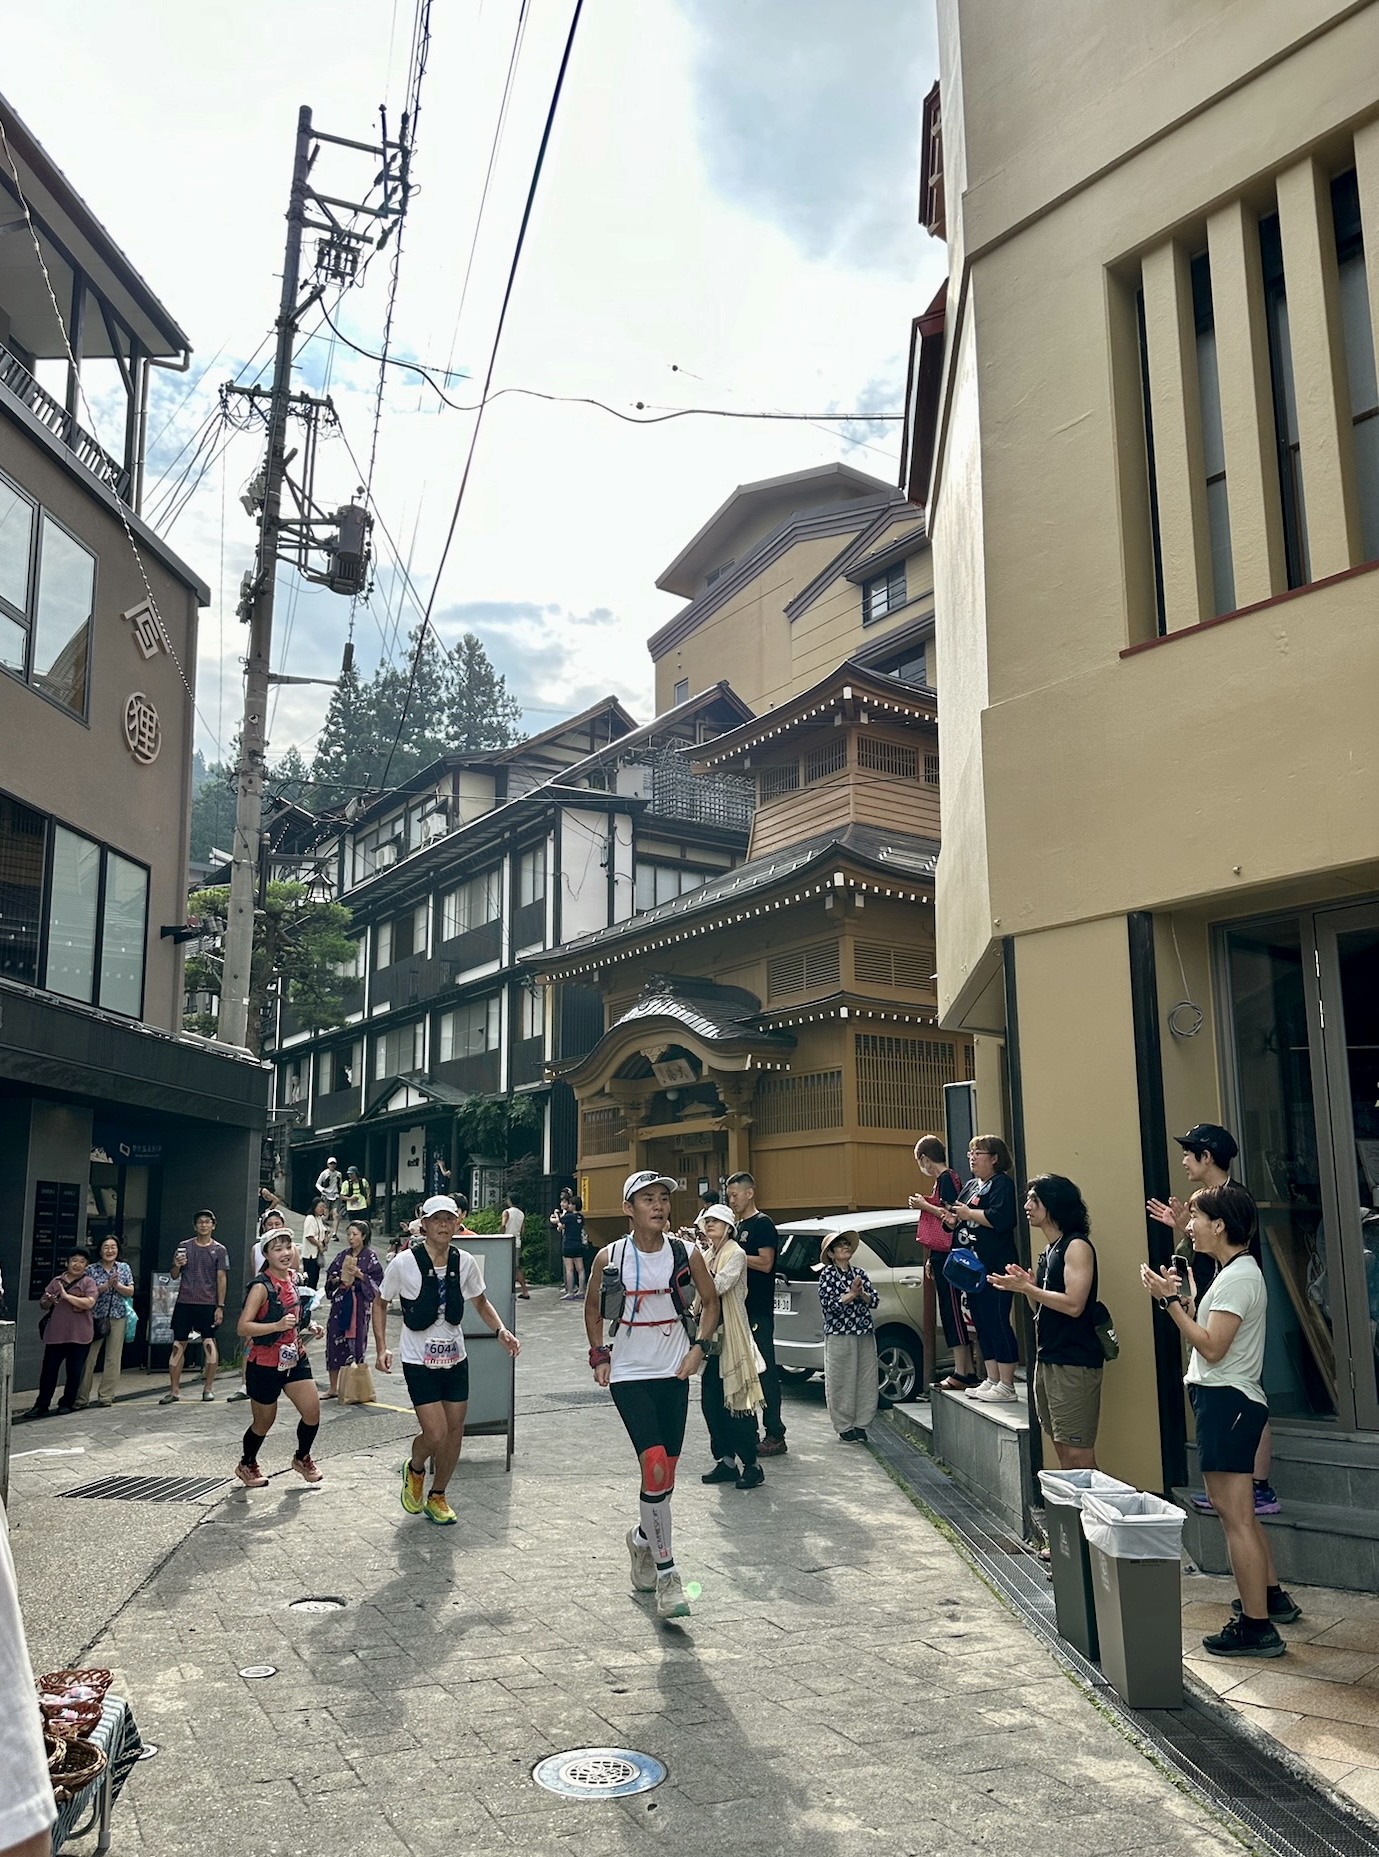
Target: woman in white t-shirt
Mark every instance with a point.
(1226, 1333)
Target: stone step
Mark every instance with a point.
(1334, 1469)
(1313, 1543)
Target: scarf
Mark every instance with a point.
(739, 1363)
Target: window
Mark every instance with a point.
(45, 616)
(802, 970)
(931, 206)
(294, 1080)
(375, 850)
(888, 757)
(603, 1131)
(472, 905)
(531, 877)
(681, 694)
(773, 781)
(910, 666)
(23, 852)
(531, 1012)
(398, 1051)
(931, 770)
(1359, 354)
(822, 762)
(339, 1068)
(1213, 444)
(470, 1030)
(1285, 406)
(72, 914)
(96, 913)
(662, 883)
(403, 935)
(900, 1081)
(788, 1105)
(715, 574)
(884, 593)
(382, 945)
(123, 933)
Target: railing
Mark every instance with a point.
(704, 799)
(54, 415)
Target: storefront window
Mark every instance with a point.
(122, 937)
(23, 843)
(72, 914)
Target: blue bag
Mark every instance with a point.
(131, 1322)
(964, 1269)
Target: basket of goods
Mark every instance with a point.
(73, 1763)
(72, 1700)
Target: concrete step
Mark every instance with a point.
(1313, 1543)
(1313, 1466)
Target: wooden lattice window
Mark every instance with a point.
(931, 202)
(822, 762)
(603, 1132)
(888, 757)
(900, 1081)
(788, 1105)
(773, 781)
(882, 964)
(931, 769)
(802, 970)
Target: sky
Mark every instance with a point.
(726, 219)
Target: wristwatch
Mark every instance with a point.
(1168, 1299)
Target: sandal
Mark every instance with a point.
(953, 1384)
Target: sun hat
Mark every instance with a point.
(439, 1202)
(724, 1213)
(830, 1239)
(634, 1183)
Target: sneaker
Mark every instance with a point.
(753, 1476)
(670, 1597)
(722, 1472)
(1266, 1499)
(206, 1395)
(1283, 1610)
(859, 1436)
(306, 1469)
(251, 1476)
(169, 1399)
(986, 1390)
(438, 1510)
(849, 1436)
(413, 1488)
(643, 1567)
(772, 1447)
(1201, 1502)
(1231, 1641)
(241, 1394)
(1003, 1395)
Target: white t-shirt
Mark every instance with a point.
(1236, 1289)
(656, 1343)
(314, 1233)
(440, 1345)
(26, 1792)
(514, 1219)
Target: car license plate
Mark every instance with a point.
(783, 1305)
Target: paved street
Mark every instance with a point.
(846, 1684)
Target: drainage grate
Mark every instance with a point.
(1283, 1810)
(147, 1489)
(598, 1773)
(317, 1603)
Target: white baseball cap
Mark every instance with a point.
(634, 1183)
(439, 1202)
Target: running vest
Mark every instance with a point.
(266, 1350)
(613, 1292)
(423, 1311)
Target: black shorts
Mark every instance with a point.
(187, 1316)
(1229, 1428)
(264, 1385)
(426, 1385)
(654, 1412)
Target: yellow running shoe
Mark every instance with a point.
(413, 1488)
(438, 1510)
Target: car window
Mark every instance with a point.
(881, 1239)
(796, 1253)
(909, 1252)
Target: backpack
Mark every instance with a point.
(421, 1311)
(613, 1291)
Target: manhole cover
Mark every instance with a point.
(317, 1604)
(598, 1773)
(257, 1670)
(147, 1489)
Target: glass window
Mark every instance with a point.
(472, 905)
(531, 1012)
(72, 914)
(399, 1051)
(1359, 354)
(383, 945)
(62, 617)
(1285, 406)
(1213, 443)
(470, 1030)
(883, 594)
(681, 692)
(23, 843)
(531, 877)
(662, 883)
(16, 544)
(123, 928)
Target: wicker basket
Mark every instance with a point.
(58, 1680)
(71, 1718)
(73, 1765)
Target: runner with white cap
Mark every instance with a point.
(434, 1279)
(644, 1286)
(328, 1188)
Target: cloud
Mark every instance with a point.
(543, 650)
(809, 116)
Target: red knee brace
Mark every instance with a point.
(658, 1470)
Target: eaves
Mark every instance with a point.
(846, 563)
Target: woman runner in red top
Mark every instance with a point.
(277, 1363)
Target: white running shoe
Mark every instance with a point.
(1002, 1395)
(643, 1566)
(987, 1390)
(670, 1597)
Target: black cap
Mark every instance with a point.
(1210, 1138)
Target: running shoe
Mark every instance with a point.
(722, 1472)
(1283, 1608)
(413, 1488)
(772, 1446)
(670, 1597)
(251, 1476)
(306, 1469)
(985, 1391)
(1266, 1499)
(643, 1567)
(438, 1510)
(1201, 1502)
(753, 1476)
(1232, 1641)
(1002, 1395)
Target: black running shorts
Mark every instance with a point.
(197, 1316)
(1229, 1427)
(654, 1412)
(426, 1385)
(264, 1385)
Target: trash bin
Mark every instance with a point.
(1136, 1544)
(1073, 1601)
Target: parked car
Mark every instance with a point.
(894, 1260)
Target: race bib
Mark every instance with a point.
(441, 1351)
(288, 1354)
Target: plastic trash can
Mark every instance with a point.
(1136, 1543)
(1073, 1601)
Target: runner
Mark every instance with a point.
(201, 1271)
(277, 1363)
(514, 1223)
(355, 1194)
(434, 1279)
(328, 1186)
(646, 1300)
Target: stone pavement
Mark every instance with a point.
(846, 1684)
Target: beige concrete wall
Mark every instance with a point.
(1081, 1110)
(82, 772)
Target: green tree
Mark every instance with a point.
(347, 747)
(289, 779)
(213, 810)
(299, 945)
(480, 712)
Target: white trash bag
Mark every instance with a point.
(1068, 1487)
(1136, 1526)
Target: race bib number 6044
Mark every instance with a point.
(441, 1351)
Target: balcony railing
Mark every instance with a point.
(704, 799)
(54, 415)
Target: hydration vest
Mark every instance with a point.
(423, 1310)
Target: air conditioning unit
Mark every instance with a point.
(434, 828)
(387, 854)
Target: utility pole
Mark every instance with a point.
(342, 536)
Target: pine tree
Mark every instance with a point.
(290, 778)
(480, 711)
(347, 747)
